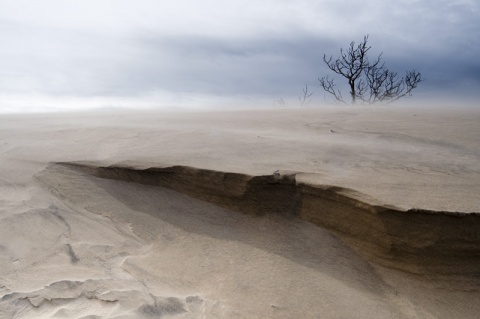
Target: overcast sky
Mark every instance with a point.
(67, 54)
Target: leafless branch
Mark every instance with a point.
(328, 85)
(279, 102)
(305, 99)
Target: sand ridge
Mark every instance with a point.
(414, 240)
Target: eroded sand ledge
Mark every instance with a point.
(417, 241)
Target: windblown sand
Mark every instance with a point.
(307, 213)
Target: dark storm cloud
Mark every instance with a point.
(268, 50)
(282, 66)
(85, 64)
(231, 66)
(64, 63)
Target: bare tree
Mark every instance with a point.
(368, 81)
(279, 102)
(305, 99)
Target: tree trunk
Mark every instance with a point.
(352, 91)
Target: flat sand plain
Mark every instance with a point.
(304, 213)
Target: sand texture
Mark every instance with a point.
(308, 213)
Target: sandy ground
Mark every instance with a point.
(76, 245)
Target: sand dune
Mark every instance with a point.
(329, 213)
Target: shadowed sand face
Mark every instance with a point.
(75, 245)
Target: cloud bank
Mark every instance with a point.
(152, 54)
